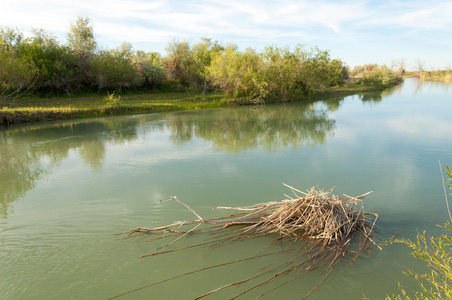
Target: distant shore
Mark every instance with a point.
(38, 109)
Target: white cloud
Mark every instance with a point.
(416, 15)
(355, 26)
(422, 126)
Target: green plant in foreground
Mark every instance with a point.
(436, 251)
(112, 100)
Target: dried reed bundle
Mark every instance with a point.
(315, 215)
(327, 221)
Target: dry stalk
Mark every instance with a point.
(327, 221)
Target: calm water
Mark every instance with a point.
(67, 187)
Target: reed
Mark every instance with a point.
(320, 228)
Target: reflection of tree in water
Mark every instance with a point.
(19, 169)
(376, 97)
(371, 98)
(242, 129)
(22, 151)
(333, 104)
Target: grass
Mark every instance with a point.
(32, 109)
(436, 75)
(45, 108)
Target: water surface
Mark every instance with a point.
(67, 187)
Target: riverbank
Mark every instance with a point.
(38, 109)
(444, 76)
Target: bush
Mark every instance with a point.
(57, 66)
(17, 76)
(187, 65)
(281, 70)
(149, 68)
(240, 74)
(380, 78)
(114, 69)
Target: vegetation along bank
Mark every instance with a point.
(43, 79)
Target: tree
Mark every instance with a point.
(81, 37)
(240, 74)
(10, 39)
(57, 65)
(17, 76)
(178, 61)
(202, 54)
(149, 68)
(420, 65)
(81, 41)
(313, 75)
(114, 69)
(281, 69)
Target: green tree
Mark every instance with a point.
(380, 77)
(281, 69)
(10, 39)
(57, 65)
(240, 74)
(178, 61)
(337, 73)
(149, 66)
(81, 41)
(81, 37)
(202, 54)
(17, 76)
(313, 70)
(114, 69)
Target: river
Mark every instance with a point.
(67, 187)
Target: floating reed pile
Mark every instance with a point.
(333, 227)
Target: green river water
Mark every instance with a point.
(67, 187)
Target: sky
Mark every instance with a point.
(357, 32)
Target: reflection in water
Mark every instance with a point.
(23, 151)
(371, 98)
(24, 148)
(75, 187)
(376, 97)
(269, 127)
(333, 104)
(19, 169)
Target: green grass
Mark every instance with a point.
(437, 75)
(32, 109)
(42, 108)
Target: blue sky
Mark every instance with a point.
(357, 32)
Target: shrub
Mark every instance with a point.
(114, 69)
(316, 70)
(111, 100)
(239, 74)
(149, 68)
(178, 61)
(17, 76)
(380, 78)
(281, 70)
(57, 65)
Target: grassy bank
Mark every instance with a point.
(36, 109)
(445, 76)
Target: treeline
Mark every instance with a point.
(40, 63)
